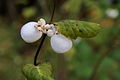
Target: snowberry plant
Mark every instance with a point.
(32, 31)
(61, 33)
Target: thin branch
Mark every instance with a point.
(102, 57)
(97, 65)
(53, 12)
(38, 50)
(44, 36)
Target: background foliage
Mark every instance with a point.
(77, 64)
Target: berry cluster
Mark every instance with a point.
(33, 31)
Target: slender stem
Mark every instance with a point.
(53, 12)
(102, 57)
(38, 50)
(44, 36)
(96, 67)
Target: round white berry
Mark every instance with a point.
(52, 25)
(30, 33)
(113, 13)
(50, 32)
(47, 26)
(60, 43)
(42, 22)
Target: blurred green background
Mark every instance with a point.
(77, 64)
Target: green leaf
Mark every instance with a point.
(74, 28)
(40, 72)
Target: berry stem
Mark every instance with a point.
(44, 36)
(53, 12)
(38, 50)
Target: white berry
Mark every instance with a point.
(60, 43)
(30, 33)
(42, 22)
(113, 13)
(52, 25)
(47, 26)
(50, 32)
